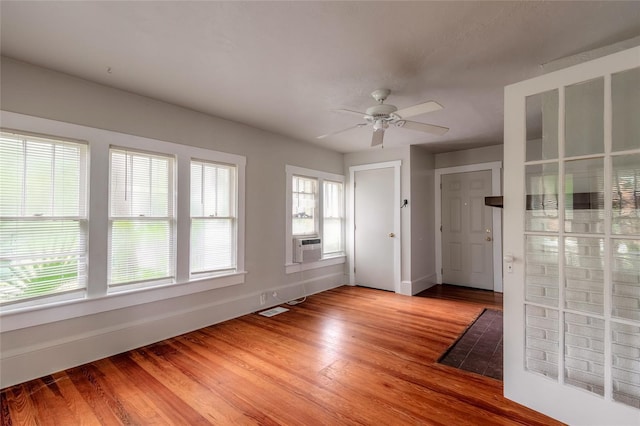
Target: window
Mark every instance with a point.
(333, 218)
(304, 203)
(213, 221)
(141, 223)
(315, 201)
(43, 217)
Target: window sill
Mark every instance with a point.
(292, 268)
(43, 314)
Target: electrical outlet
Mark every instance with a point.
(263, 299)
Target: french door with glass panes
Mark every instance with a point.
(572, 259)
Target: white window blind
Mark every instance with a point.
(303, 203)
(213, 218)
(333, 217)
(43, 217)
(142, 222)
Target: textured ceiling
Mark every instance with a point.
(284, 66)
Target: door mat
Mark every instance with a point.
(479, 349)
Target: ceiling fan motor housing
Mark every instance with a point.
(382, 111)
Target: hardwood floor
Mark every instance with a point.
(346, 356)
(465, 295)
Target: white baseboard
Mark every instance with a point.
(421, 284)
(32, 361)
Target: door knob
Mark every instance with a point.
(488, 238)
(391, 234)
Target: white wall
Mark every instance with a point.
(35, 351)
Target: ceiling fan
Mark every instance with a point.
(383, 115)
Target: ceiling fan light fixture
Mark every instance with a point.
(380, 125)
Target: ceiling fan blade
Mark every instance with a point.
(348, 111)
(422, 127)
(378, 135)
(418, 109)
(340, 131)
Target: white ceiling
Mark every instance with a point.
(284, 66)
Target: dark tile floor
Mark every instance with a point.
(479, 350)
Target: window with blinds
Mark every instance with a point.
(43, 217)
(304, 202)
(333, 217)
(141, 219)
(213, 218)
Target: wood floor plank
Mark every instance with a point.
(348, 356)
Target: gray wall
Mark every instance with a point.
(35, 91)
(423, 272)
(466, 157)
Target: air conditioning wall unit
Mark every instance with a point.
(307, 249)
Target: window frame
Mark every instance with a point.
(81, 218)
(232, 218)
(169, 218)
(327, 259)
(97, 298)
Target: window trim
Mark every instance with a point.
(97, 298)
(333, 258)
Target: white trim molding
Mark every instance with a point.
(496, 168)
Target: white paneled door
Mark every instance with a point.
(572, 242)
(467, 234)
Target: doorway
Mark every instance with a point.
(464, 256)
(467, 230)
(376, 226)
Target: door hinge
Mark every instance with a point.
(440, 228)
(441, 271)
(354, 270)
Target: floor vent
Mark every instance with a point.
(273, 311)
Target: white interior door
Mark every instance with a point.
(374, 231)
(467, 235)
(572, 242)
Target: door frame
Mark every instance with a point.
(397, 267)
(528, 388)
(496, 216)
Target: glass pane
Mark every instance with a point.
(542, 197)
(625, 96)
(584, 352)
(584, 118)
(541, 279)
(626, 195)
(212, 242)
(41, 257)
(584, 196)
(303, 204)
(626, 364)
(140, 184)
(332, 238)
(542, 336)
(584, 274)
(625, 271)
(542, 126)
(141, 250)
